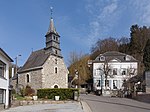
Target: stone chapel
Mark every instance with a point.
(45, 68)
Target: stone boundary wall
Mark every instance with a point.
(31, 102)
(1, 106)
(143, 98)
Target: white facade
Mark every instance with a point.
(120, 69)
(4, 78)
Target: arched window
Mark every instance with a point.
(55, 51)
(55, 61)
(56, 70)
(28, 78)
(55, 86)
(56, 38)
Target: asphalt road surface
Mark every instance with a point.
(111, 104)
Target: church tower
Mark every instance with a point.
(53, 40)
(45, 68)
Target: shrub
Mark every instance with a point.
(51, 93)
(13, 91)
(22, 92)
(29, 91)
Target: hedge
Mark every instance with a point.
(67, 93)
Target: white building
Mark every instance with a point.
(120, 67)
(5, 61)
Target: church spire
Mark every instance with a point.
(52, 39)
(51, 12)
(51, 26)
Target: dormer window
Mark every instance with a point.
(128, 58)
(124, 58)
(102, 58)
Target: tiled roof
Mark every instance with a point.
(111, 55)
(35, 60)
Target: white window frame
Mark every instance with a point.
(122, 70)
(116, 69)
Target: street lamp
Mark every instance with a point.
(16, 70)
(101, 80)
(17, 62)
(77, 75)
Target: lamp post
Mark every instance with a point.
(77, 75)
(101, 75)
(16, 70)
(101, 84)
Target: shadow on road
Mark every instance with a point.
(117, 104)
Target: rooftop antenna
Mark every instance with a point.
(51, 12)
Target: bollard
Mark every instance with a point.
(75, 95)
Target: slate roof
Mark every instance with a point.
(35, 61)
(111, 55)
(52, 28)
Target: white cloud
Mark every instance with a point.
(105, 15)
(142, 11)
(109, 9)
(102, 15)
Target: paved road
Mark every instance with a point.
(66, 107)
(107, 104)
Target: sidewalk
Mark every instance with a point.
(85, 106)
(66, 107)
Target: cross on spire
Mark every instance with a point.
(51, 12)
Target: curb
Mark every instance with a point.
(85, 106)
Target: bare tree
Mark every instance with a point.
(105, 45)
(74, 57)
(106, 68)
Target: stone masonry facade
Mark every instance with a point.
(35, 79)
(50, 78)
(46, 77)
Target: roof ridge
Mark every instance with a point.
(114, 52)
(38, 50)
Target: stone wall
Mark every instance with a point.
(1, 106)
(17, 103)
(50, 78)
(35, 79)
(13, 83)
(46, 77)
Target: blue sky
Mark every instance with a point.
(80, 23)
